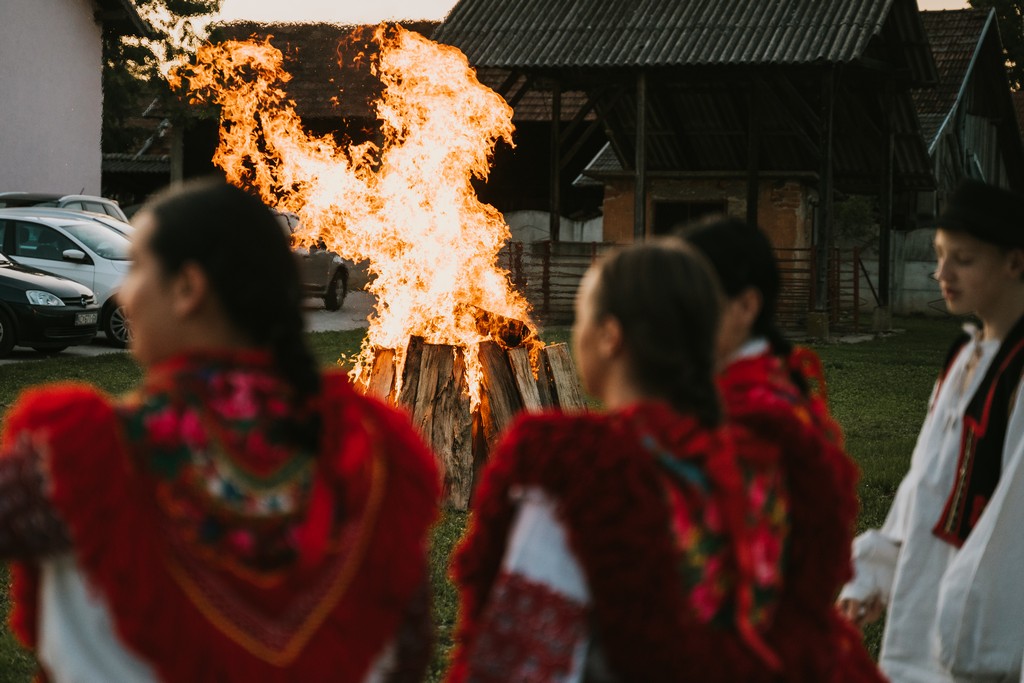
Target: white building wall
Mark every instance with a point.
(914, 290)
(51, 96)
(533, 226)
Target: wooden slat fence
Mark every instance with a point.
(549, 273)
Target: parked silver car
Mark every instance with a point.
(324, 274)
(78, 202)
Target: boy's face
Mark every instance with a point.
(975, 276)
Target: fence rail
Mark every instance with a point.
(548, 274)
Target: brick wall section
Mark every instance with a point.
(784, 206)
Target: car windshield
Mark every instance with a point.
(105, 242)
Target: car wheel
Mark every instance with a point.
(337, 290)
(115, 325)
(6, 334)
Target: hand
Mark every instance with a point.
(861, 613)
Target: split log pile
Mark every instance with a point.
(435, 391)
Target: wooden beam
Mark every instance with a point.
(509, 81)
(753, 151)
(686, 151)
(611, 130)
(823, 238)
(527, 85)
(796, 103)
(885, 201)
(803, 136)
(554, 167)
(580, 141)
(577, 120)
(640, 184)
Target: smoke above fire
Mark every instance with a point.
(406, 204)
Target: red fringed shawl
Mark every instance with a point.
(814, 642)
(358, 546)
(612, 497)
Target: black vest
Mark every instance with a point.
(981, 446)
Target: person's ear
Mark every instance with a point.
(610, 337)
(190, 289)
(1015, 261)
(747, 306)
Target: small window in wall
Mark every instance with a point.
(669, 216)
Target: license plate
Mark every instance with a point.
(86, 318)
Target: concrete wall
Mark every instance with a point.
(784, 207)
(51, 106)
(534, 226)
(914, 290)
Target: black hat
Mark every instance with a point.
(987, 212)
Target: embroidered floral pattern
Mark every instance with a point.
(186, 439)
(29, 526)
(528, 633)
(704, 544)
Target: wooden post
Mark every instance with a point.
(817, 321)
(555, 206)
(753, 151)
(519, 359)
(824, 236)
(640, 186)
(381, 382)
(499, 400)
(411, 372)
(561, 372)
(441, 412)
(885, 201)
(545, 277)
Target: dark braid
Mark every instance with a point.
(665, 297)
(743, 258)
(244, 252)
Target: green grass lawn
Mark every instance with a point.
(878, 391)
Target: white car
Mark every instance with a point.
(83, 250)
(78, 202)
(126, 229)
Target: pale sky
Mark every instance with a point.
(336, 11)
(362, 12)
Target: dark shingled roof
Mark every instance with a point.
(124, 16)
(651, 33)
(136, 163)
(330, 80)
(956, 37)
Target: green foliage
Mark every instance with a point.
(1010, 16)
(134, 70)
(856, 222)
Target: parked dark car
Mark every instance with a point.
(43, 311)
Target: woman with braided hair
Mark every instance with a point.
(240, 516)
(775, 395)
(612, 546)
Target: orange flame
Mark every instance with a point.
(408, 205)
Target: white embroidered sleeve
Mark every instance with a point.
(979, 622)
(534, 625)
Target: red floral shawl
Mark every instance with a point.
(815, 643)
(252, 562)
